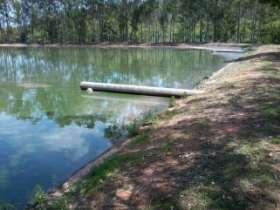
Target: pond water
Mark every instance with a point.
(49, 128)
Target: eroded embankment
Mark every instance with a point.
(216, 150)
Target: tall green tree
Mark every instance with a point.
(137, 21)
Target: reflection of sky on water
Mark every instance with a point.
(43, 153)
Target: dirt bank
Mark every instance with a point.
(216, 150)
(217, 47)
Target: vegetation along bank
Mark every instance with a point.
(216, 150)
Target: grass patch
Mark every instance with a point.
(107, 170)
(61, 204)
(271, 116)
(271, 70)
(262, 176)
(115, 132)
(195, 199)
(255, 151)
(148, 119)
(133, 129)
(172, 102)
(208, 197)
(275, 140)
(271, 112)
(168, 115)
(233, 170)
(141, 140)
(258, 172)
(165, 147)
(164, 204)
(38, 198)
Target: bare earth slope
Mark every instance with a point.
(216, 150)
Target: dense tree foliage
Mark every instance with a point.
(137, 21)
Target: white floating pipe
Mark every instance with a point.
(135, 89)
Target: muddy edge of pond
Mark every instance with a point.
(219, 47)
(81, 173)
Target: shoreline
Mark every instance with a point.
(202, 137)
(213, 47)
(84, 171)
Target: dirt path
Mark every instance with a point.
(216, 150)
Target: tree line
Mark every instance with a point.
(139, 21)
